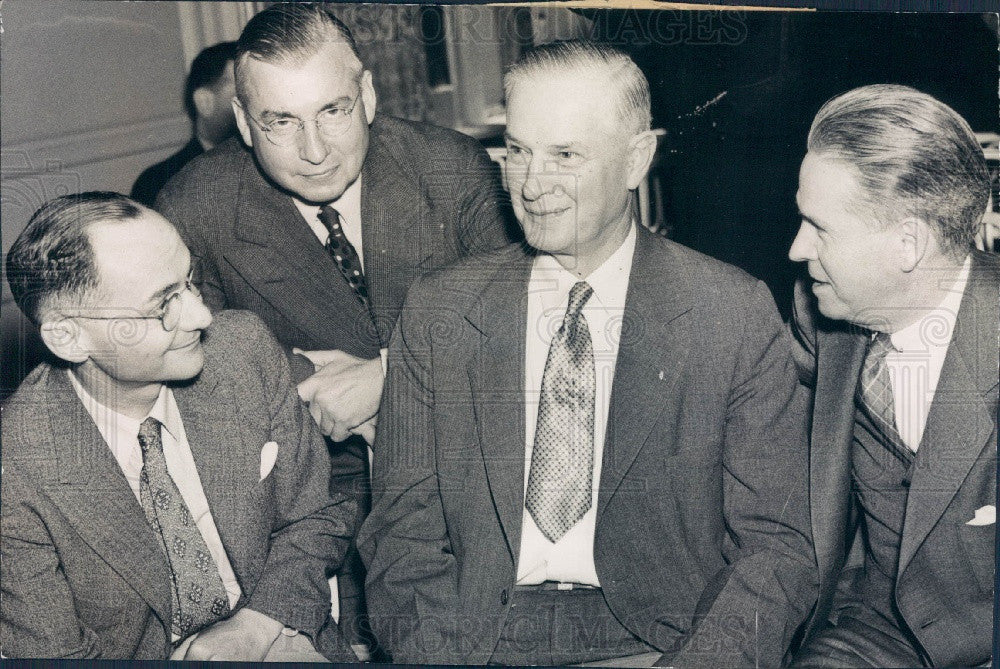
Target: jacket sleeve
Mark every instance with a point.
(750, 611)
(404, 541)
(37, 612)
(312, 525)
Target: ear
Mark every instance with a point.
(204, 101)
(914, 238)
(368, 96)
(242, 122)
(65, 338)
(641, 149)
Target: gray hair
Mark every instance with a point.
(913, 154)
(632, 86)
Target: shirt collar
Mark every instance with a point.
(609, 280)
(164, 410)
(914, 337)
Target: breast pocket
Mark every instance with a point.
(979, 545)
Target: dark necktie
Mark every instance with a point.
(875, 388)
(562, 458)
(199, 598)
(343, 253)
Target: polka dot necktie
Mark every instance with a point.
(562, 459)
(198, 596)
(875, 387)
(343, 253)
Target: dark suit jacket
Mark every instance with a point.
(702, 501)
(944, 586)
(152, 179)
(429, 196)
(82, 572)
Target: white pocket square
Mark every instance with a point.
(985, 515)
(268, 455)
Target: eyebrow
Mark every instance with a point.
(162, 293)
(273, 114)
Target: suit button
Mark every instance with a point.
(503, 598)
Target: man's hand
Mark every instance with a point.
(343, 394)
(245, 636)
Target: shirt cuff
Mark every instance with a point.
(384, 355)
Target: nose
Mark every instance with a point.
(538, 180)
(312, 146)
(804, 245)
(194, 314)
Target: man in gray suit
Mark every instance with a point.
(321, 222)
(594, 447)
(164, 491)
(904, 361)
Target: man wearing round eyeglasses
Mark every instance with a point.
(326, 214)
(163, 486)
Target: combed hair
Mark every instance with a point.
(206, 70)
(52, 256)
(621, 70)
(290, 31)
(915, 156)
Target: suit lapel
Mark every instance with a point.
(656, 340)
(959, 423)
(224, 457)
(276, 252)
(840, 354)
(96, 499)
(395, 217)
(496, 375)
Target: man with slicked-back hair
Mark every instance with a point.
(899, 333)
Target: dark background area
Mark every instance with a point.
(729, 170)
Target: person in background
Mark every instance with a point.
(164, 492)
(208, 94)
(898, 328)
(322, 218)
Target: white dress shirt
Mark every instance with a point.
(915, 365)
(348, 206)
(571, 559)
(121, 434)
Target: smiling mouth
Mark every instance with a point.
(547, 212)
(191, 344)
(320, 175)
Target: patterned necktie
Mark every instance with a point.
(875, 388)
(562, 459)
(343, 253)
(199, 598)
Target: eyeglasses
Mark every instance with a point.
(330, 123)
(168, 313)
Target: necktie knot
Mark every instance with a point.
(578, 296)
(149, 434)
(330, 218)
(880, 345)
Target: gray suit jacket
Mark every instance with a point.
(702, 539)
(81, 572)
(945, 581)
